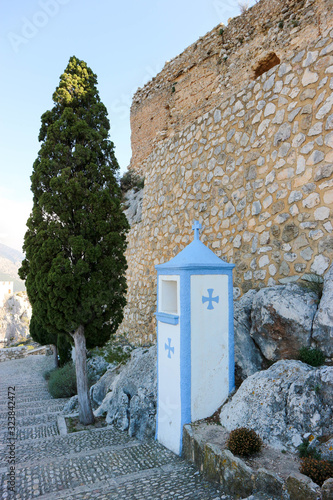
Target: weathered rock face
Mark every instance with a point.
(131, 402)
(104, 385)
(248, 359)
(323, 321)
(282, 319)
(15, 318)
(97, 366)
(133, 211)
(301, 487)
(327, 489)
(284, 403)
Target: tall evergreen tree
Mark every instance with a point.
(60, 342)
(76, 238)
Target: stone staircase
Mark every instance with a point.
(102, 463)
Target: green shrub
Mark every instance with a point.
(317, 470)
(116, 355)
(131, 180)
(62, 381)
(311, 356)
(244, 442)
(112, 353)
(47, 374)
(305, 451)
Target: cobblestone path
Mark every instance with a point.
(99, 464)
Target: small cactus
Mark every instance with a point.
(317, 470)
(244, 442)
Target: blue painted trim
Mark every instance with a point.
(185, 352)
(171, 319)
(231, 340)
(194, 269)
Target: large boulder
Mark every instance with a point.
(248, 359)
(323, 321)
(282, 319)
(15, 318)
(284, 403)
(97, 366)
(104, 385)
(131, 402)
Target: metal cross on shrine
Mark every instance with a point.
(210, 298)
(196, 227)
(169, 348)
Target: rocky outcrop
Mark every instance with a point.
(327, 489)
(276, 322)
(130, 403)
(15, 318)
(301, 487)
(248, 358)
(104, 385)
(254, 482)
(97, 366)
(284, 403)
(323, 321)
(282, 319)
(133, 204)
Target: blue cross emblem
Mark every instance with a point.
(196, 228)
(210, 298)
(169, 348)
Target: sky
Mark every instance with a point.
(125, 43)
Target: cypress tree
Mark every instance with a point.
(60, 342)
(76, 237)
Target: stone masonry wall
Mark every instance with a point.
(256, 170)
(216, 65)
(9, 353)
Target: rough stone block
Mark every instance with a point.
(327, 488)
(269, 483)
(301, 487)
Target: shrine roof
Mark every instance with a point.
(196, 255)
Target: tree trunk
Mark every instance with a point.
(55, 354)
(85, 412)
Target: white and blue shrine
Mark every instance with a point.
(195, 339)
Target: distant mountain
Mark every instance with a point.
(10, 262)
(11, 254)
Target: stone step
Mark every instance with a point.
(51, 406)
(24, 388)
(30, 420)
(103, 466)
(50, 448)
(25, 401)
(101, 463)
(170, 482)
(34, 402)
(32, 432)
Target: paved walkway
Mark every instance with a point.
(99, 464)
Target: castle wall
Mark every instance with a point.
(256, 170)
(215, 67)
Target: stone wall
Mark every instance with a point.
(10, 353)
(256, 169)
(216, 66)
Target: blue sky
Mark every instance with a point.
(124, 43)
